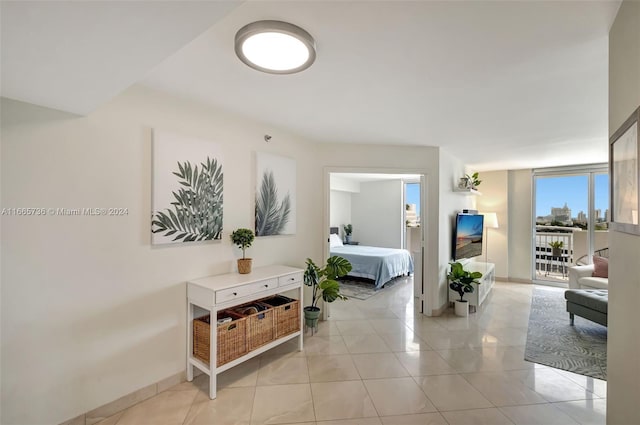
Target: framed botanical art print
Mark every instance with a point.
(275, 195)
(187, 188)
(624, 170)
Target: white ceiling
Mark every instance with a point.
(76, 55)
(501, 85)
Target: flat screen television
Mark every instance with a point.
(467, 236)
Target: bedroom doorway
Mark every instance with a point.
(374, 204)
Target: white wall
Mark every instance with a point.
(377, 214)
(340, 209)
(345, 185)
(495, 190)
(91, 311)
(623, 344)
(450, 203)
(520, 226)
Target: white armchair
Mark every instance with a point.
(580, 277)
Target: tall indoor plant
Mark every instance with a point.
(461, 280)
(324, 284)
(243, 238)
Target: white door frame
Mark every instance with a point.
(375, 170)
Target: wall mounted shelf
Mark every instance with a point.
(467, 191)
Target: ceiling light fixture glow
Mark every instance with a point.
(275, 47)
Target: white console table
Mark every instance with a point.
(216, 293)
(480, 291)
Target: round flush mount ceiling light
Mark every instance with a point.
(275, 47)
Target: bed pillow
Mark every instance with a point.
(334, 241)
(601, 266)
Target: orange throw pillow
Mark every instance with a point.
(601, 267)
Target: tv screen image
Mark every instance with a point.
(468, 236)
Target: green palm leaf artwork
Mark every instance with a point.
(272, 215)
(196, 213)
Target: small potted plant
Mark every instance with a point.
(461, 280)
(348, 229)
(243, 238)
(324, 284)
(556, 248)
(472, 180)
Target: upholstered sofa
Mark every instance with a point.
(581, 277)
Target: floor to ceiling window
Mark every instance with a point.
(571, 214)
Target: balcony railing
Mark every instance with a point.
(549, 266)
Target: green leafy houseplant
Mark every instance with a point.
(473, 179)
(556, 248)
(348, 229)
(324, 284)
(556, 244)
(460, 280)
(243, 238)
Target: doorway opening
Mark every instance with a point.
(375, 205)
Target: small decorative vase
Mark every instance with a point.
(556, 252)
(244, 265)
(462, 308)
(311, 315)
(464, 183)
(347, 238)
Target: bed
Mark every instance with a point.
(372, 262)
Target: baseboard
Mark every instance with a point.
(439, 311)
(96, 415)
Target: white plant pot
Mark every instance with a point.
(462, 308)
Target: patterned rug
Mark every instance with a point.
(551, 341)
(362, 289)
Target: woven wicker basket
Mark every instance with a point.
(232, 338)
(287, 314)
(260, 326)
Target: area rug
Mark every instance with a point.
(552, 341)
(362, 289)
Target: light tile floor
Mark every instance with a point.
(378, 362)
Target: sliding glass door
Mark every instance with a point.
(571, 212)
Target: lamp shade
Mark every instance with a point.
(490, 220)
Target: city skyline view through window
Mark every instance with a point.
(563, 220)
(556, 192)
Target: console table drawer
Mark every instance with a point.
(290, 279)
(237, 292)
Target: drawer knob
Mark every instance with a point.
(235, 293)
(292, 278)
(266, 285)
